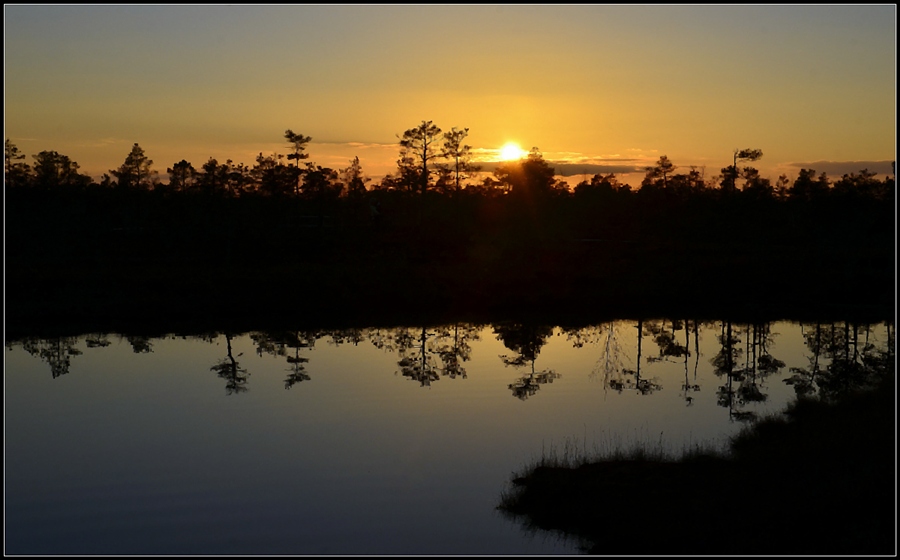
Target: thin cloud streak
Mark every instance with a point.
(840, 168)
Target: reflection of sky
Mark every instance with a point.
(803, 83)
(146, 450)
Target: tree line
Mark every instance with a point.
(438, 228)
(429, 161)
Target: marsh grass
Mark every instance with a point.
(818, 479)
(573, 452)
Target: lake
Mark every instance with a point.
(366, 441)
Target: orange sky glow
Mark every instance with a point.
(594, 88)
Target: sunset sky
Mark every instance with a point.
(611, 88)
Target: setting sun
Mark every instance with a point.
(511, 151)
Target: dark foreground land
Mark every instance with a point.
(144, 261)
(821, 482)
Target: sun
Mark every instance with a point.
(511, 151)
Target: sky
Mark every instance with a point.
(609, 88)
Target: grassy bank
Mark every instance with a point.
(819, 480)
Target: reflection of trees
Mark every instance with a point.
(228, 368)
(839, 360)
(803, 379)
(526, 341)
(632, 379)
(453, 346)
(687, 387)
(724, 364)
(665, 340)
(610, 365)
(416, 361)
(337, 337)
(664, 333)
(57, 352)
(849, 369)
(427, 354)
(140, 344)
(287, 344)
(758, 364)
(528, 385)
(97, 341)
(297, 371)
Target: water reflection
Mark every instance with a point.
(165, 437)
(526, 341)
(56, 352)
(281, 343)
(236, 377)
(838, 345)
(743, 361)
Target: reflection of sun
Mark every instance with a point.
(511, 151)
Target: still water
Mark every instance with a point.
(368, 441)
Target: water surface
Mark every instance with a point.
(366, 441)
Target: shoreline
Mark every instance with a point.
(148, 297)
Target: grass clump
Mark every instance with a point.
(820, 479)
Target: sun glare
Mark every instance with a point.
(511, 151)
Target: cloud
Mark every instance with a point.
(361, 145)
(103, 143)
(573, 169)
(840, 168)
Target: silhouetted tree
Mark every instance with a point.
(239, 178)
(136, 171)
(686, 185)
(213, 177)
(181, 176)
(747, 154)
(605, 188)
(459, 154)
(321, 183)
(354, 180)
(862, 185)
(658, 174)
(273, 177)
(406, 180)
(419, 150)
(529, 179)
(806, 187)
(756, 187)
(782, 188)
(15, 172)
(298, 144)
(53, 170)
